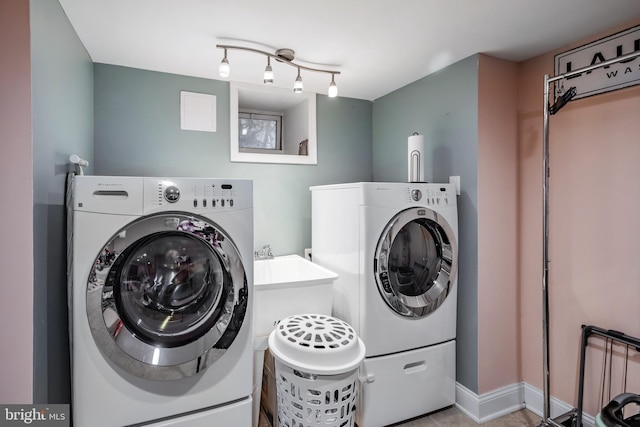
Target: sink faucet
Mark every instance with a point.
(264, 253)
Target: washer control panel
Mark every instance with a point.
(198, 194)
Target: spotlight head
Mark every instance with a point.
(268, 73)
(224, 70)
(297, 85)
(333, 88)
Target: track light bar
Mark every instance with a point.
(285, 56)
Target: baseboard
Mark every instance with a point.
(491, 405)
(506, 400)
(468, 402)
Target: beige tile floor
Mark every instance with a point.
(453, 417)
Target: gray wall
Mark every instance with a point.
(137, 132)
(130, 118)
(62, 86)
(444, 108)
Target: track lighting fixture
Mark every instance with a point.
(268, 72)
(297, 85)
(333, 88)
(284, 56)
(224, 70)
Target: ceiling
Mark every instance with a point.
(377, 45)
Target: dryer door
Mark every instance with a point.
(166, 296)
(416, 262)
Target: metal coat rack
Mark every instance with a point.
(553, 109)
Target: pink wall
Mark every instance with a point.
(594, 244)
(498, 305)
(16, 210)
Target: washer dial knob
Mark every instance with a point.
(172, 194)
(416, 195)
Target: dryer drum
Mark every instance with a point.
(415, 262)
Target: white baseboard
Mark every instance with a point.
(506, 400)
(468, 402)
(492, 405)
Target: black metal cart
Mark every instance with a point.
(611, 414)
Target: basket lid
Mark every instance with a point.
(316, 343)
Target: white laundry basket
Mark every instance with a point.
(316, 360)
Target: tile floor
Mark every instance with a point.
(453, 417)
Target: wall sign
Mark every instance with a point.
(605, 79)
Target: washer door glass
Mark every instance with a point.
(166, 296)
(170, 284)
(416, 262)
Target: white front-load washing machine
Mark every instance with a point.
(161, 315)
(394, 248)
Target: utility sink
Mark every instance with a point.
(289, 269)
(288, 285)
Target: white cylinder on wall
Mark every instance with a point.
(415, 158)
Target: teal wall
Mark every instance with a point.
(137, 132)
(444, 108)
(62, 110)
(130, 119)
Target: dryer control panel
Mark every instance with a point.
(431, 195)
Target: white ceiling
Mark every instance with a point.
(377, 45)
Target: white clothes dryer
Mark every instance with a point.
(394, 247)
(161, 314)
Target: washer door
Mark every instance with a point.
(166, 296)
(416, 262)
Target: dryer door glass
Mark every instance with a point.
(166, 296)
(416, 262)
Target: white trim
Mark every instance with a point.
(281, 95)
(468, 402)
(508, 399)
(501, 402)
(491, 405)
